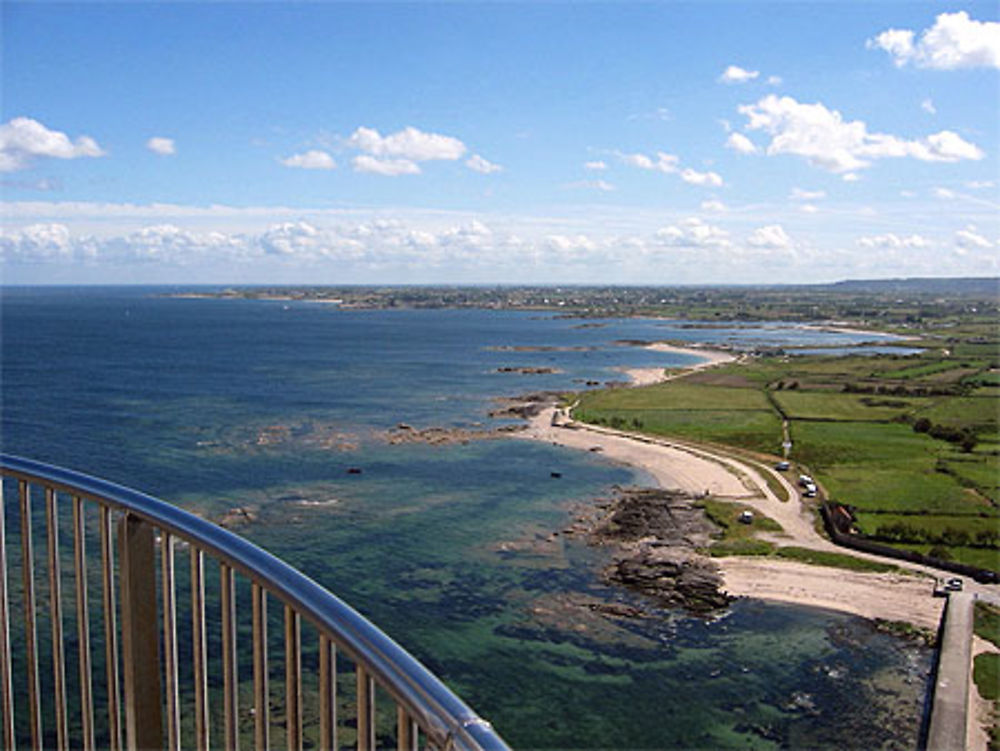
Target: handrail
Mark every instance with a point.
(444, 718)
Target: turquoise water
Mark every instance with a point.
(266, 405)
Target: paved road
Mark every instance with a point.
(951, 691)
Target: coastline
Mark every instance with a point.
(649, 376)
(674, 465)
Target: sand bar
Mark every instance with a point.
(649, 376)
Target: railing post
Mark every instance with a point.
(140, 644)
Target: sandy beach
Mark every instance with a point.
(648, 376)
(694, 469)
(893, 597)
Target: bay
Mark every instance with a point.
(267, 405)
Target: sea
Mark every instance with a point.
(273, 416)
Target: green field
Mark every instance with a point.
(733, 416)
(824, 405)
(987, 622)
(835, 560)
(986, 674)
(892, 436)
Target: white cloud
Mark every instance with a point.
(826, 140)
(666, 163)
(36, 242)
(771, 236)
(893, 241)
(713, 205)
(161, 146)
(601, 185)
(693, 233)
(971, 239)
(945, 146)
(314, 159)
(945, 194)
(739, 142)
(569, 244)
(476, 163)
(712, 179)
(954, 41)
(669, 164)
(928, 106)
(387, 167)
(410, 144)
(22, 140)
(980, 184)
(798, 194)
(736, 74)
(850, 177)
(596, 165)
(774, 81)
(808, 208)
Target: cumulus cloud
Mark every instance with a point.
(954, 41)
(669, 164)
(313, 159)
(826, 140)
(714, 206)
(971, 239)
(927, 105)
(387, 167)
(693, 233)
(742, 144)
(736, 74)
(36, 242)
(22, 140)
(410, 144)
(798, 194)
(161, 146)
(771, 236)
(693, 177)
(601, 185)
(893, 241)
(477, 163)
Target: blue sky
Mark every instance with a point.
(663, 143)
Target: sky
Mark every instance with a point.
(562, 143)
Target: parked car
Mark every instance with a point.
(783, 466)
(954, 584)
(747, 517)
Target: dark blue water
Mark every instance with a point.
(216, 404)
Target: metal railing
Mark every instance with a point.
(140, 683)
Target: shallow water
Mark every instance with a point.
(264, 405)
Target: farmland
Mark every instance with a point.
(910, 442)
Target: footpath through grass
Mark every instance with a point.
(910, 442)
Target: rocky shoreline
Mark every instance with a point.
(656, 535)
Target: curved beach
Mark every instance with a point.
(677, 465)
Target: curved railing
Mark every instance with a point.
(143, 680)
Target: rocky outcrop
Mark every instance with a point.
(528, 370)
(672, 577)
(657, 535)
(439, 436)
